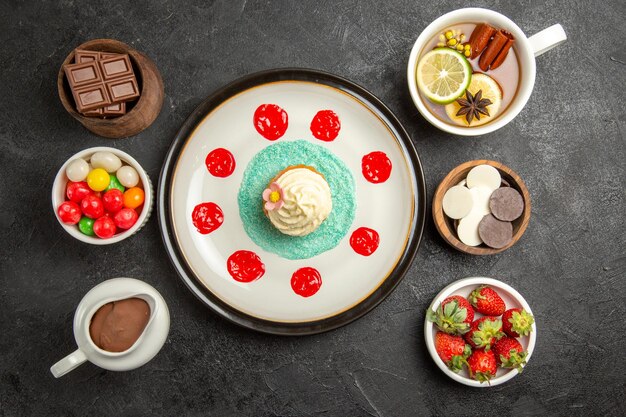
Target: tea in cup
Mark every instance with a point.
(472, 70)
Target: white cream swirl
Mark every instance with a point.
(307, 202)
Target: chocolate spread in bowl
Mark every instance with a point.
(117, 325)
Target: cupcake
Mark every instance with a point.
(297, 200)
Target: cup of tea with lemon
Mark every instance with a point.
(472, 70)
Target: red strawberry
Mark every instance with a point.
(452, 350)
(484, 332)
(482, 365)
(509, 353)
(453, 315)
(517, 322)
(486, 301)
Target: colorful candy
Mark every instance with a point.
(106, 160)
(76, 191)
(92, 207)
(104, 227)
(69, 212)
(85, 225)
(98, 179)
(113, 200)
(102, 197)
(125, 218)
(114, 183)
(77, 170)
(133, 197)
(128, 176)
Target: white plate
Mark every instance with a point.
(352, 284)
(511, 298)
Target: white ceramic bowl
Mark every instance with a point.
(463, 287)
(60, 183)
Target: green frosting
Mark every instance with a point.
(269, 162)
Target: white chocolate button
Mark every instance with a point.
(462, 182)
(127, 176)
(107, 161)
(77, 170)
(485, 176)
(481, 196)
(468, 229)
(457, 202)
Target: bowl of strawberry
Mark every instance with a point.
(480, 331)
(102, 195)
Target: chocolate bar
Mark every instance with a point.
(113, 110)
(102, 82)
(82, 55)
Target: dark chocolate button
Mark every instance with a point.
(495, 233)
(506, 204)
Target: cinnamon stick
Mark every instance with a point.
(492, 50)
(480, 38)
(503, 52)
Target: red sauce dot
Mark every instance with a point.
(207, 217)
(364, 241)
(306, 281)
(325, 125)
(376, 167)
(270, 121)
(245, 266)
(220, 162)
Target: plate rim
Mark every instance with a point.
(231, 313)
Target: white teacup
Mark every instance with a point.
(144, 349)
(527, 49)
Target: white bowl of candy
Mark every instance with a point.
(102, 195)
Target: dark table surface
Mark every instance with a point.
(568, 144)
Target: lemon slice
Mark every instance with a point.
(443, 74)
(490, 89)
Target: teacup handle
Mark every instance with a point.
(547, 39)
(68, 363)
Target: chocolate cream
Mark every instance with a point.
(117, 325)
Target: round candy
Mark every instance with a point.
(76, 191)
(468, 229)
(92, 207)
(506, 204)
(114, 183)
(85, 225)
(113, 200)
(485, 176)
(457, 202)
(104, 227)
(133, 197)
(481, 196)
(98, 179)
(77, 170)
(495, 233)
(69, 212)
(128, 176)
(106, 160)
(125, 218)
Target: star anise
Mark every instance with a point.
(473, 106)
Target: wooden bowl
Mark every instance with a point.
(445, 225)
(143, 112)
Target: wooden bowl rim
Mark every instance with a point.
(450, 236)
(66, 100)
